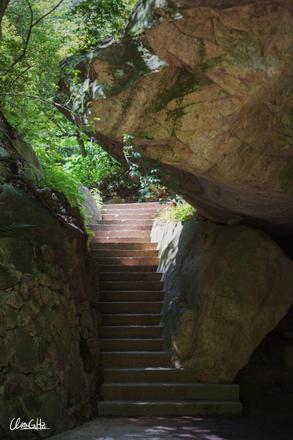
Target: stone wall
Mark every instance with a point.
(226, 288)
(48, 328)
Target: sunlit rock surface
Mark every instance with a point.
(226, 288)
(204, 87)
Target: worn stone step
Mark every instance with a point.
(119, 240)
(169, 391)
(139, 205)
(134, 221)
(130, 209)
(154, 344)
(128, 216)
(130, 307)
(124, 245)
(167, 408)
(147, 253)
(117, 268)
(131, 319)
(152, 375)
(125, 226)
(131, 285)
(130, 276)
(130, 331)
(127, 359)
(131, 295)
(128, 261)
(123, 233)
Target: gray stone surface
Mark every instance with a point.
(271, 427)
(226, 287)
(92, 211)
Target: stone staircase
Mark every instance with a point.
(139, 378)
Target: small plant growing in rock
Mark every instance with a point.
(179, 212)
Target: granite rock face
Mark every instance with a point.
(204, 88)
(48, 329)
(226, 288)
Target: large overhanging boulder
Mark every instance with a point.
(205, 88)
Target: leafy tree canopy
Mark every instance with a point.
(36, 36)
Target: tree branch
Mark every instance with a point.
(27, 40)
(19, 76)
(47, 13)
(63, 109)
(32, 24)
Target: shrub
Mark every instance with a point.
(178, 213)
(56, 178)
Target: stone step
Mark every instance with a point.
(130, 276)
(130, 209)
(124, 245)
(154, 344)
(118, 240)
(123, 233)
(147, 253)
(130, 307)
(127, 359)
(117, 268)
(130, 331)
(131, 285)
(128, 261)
(147, 226)
(128, 216)
(169, 391)
(127, 221)
(131, 295)
(139, 205)
(152, 375)
(131, 319)
(167, 408)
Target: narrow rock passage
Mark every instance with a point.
(139, 378)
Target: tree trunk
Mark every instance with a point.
(3, 6)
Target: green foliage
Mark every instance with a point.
(28, 87)
(177, 213)
(183, 212)
(99, 20)
(144, 173)
(91, 169)
(36, 74)
(56, 178)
